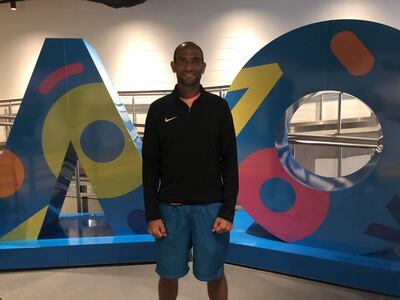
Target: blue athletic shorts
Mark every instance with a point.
(190, 226)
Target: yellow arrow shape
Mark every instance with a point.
(259, 81)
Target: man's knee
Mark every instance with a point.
(217, 280)
(168, 281)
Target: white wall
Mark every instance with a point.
(136, 44)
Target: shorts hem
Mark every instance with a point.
(209, 278)
(171, 277)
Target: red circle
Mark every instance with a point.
(301, 220)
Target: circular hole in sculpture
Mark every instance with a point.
(330, 134)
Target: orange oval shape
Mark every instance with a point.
(352, 53)
(11, 173)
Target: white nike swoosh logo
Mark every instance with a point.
(170, 119)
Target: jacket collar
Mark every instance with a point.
(175, 93)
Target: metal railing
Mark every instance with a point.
(337, 140)
(8, 110)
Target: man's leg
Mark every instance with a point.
(209, 250)
(172, 257)
(218, 288)
(167, 289)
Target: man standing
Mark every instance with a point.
(190, 178)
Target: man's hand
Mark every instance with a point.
(156, 228)
(221, 225)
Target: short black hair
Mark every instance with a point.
(188, 44)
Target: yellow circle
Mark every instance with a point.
(65, 123)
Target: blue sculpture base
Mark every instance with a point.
(356, 271)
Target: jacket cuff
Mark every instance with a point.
(153, 215)
(226, 213)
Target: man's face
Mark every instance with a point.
(188, 66)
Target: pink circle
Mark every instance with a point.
(301, 220)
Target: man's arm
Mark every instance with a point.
(151, 166)
(229, 170)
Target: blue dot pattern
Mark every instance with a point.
(277, 195)
(102, 141)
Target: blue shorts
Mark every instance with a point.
(190, 226)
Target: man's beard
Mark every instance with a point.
(195, 80)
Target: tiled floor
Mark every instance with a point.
(140, 282)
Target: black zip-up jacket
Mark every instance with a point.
(189, 154)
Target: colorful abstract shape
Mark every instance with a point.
(102, 141)
(102, 174)
(58, 75)
(73, 113)
(11, 173)
(352, 53)
(300, 220)
(352, 56)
